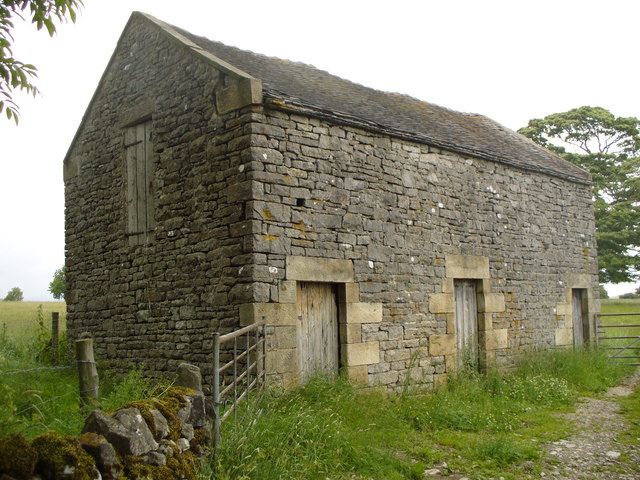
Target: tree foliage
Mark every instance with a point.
(58, 285)
(608, 147)
(15, 74)
(14, 295)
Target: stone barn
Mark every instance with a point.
(209, 187)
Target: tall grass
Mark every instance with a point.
(35, 398)
(21, 318)
(479, 424)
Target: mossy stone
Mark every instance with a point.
(62, 457)
(17, 458)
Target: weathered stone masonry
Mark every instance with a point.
(254, 195)
(411, 218)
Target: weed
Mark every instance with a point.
(481, 424)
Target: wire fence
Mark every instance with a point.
(37, 369)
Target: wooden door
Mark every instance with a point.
(317, 306)
(466, 320)
(580, 316)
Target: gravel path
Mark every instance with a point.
(593, 452)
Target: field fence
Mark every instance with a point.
(244, 372)
(37, 369)
(619, 334)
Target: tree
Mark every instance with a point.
(603, 292)
(14, 74)
(609, 148)
(14, 295)
(58, 285)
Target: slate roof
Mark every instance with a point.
(309, 88)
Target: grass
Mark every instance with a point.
(480, 425)
(21, 318)
(35, 398)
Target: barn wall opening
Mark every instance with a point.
(318, 332)
(580, 310)
(466, 322)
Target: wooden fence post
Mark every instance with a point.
(55, 334)
(87, 372)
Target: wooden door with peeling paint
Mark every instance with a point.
(317, 308)
(466, 319)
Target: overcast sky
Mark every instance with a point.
(510, 60)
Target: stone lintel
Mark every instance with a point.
(361, 353)
(467, 266)
(268, 313)
(318, 269)
(442, 345)
(441, 303)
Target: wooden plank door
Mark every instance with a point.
(317, 306)
(580, 316)
(466, 320)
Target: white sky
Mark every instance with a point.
(510, 60)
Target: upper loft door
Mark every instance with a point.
(317, 308)
(466, 319)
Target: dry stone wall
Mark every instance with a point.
(153, 438)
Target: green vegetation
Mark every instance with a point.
(20, 320)
(58, 285)
(480, 425)
(14, 295)
(621, 306)
(14, 74)
(34, 398)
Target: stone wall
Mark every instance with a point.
(157, 303)
(153, 438)
(410, 219)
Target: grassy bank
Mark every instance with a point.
(37, 396)
(480, 426)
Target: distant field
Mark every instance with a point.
(20, 318)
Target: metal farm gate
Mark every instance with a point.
(620, 336)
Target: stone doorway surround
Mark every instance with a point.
(282, 322)
(564, 310)
(490, 339)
